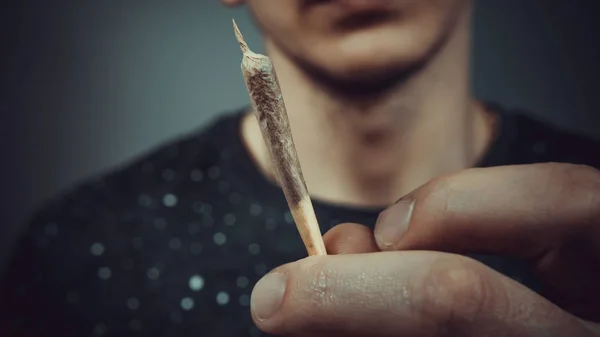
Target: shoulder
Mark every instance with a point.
(537, 140)
(124, 189)
(160, 167)
(98, 232)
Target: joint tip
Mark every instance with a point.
(240, 38)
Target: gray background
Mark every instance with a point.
(89, 84)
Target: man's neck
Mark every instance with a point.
(369, 153)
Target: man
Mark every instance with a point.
(378, 98)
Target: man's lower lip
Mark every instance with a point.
(357, 5)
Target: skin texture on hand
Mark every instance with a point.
(419, 286)
(546, 213)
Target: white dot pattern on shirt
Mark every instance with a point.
(187, 303)
(229, 219)
(254, 248)
(255, 209)
(153, 273)
(222, 298)
(175, 243)
(219, 239)
(104, 273)
(170, 200)
(155, 243)
(196, 283)
(97, 249)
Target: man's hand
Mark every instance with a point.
(546, 213)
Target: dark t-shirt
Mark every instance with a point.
(172, 243)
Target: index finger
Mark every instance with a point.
(522, 211)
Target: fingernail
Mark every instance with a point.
(393, 223)
(268, 295)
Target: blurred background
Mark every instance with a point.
(87, 85)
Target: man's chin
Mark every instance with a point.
(357, 79)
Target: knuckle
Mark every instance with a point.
(575, 187)
(583, 185)
(577, 174)
(589, 177)
(591, 195)
(456, 292)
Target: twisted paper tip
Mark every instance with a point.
(240, 38)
